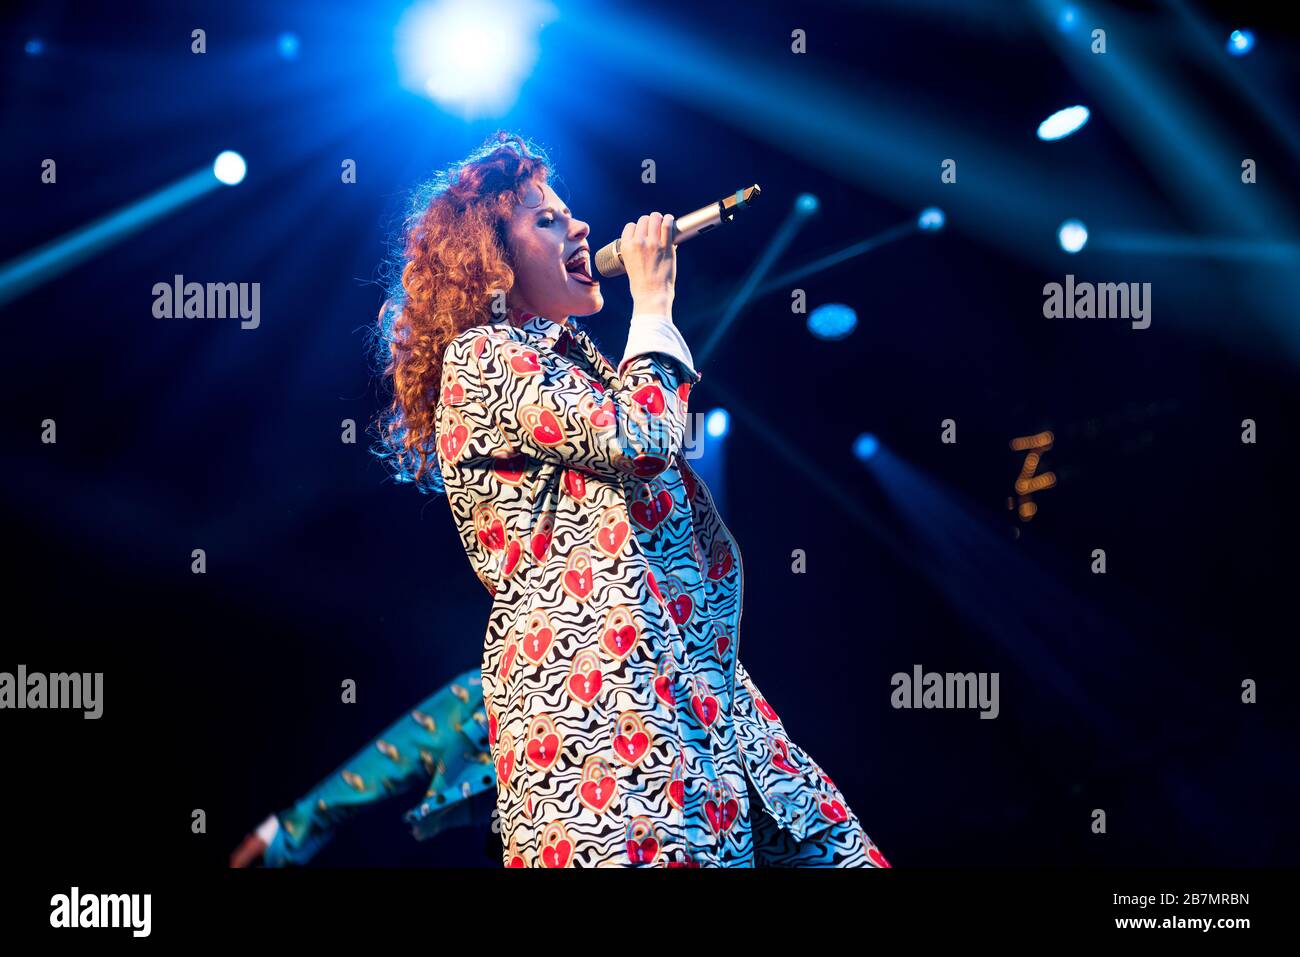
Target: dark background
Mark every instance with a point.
(1119, 692)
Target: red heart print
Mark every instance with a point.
(510, 469)
(721, 817)
(834, 811)
(548, 430)
(507, 659)
(642, 852)
(557, 854)
(611, 537)
(619, 641)
(719, 569)
(631, 748)
(597, 794)
(537, 643)
(648, 466)
(514, 552)
(664, 689)
(493, 536)
(649, 514)
(650, 398)
(680, 608)
(505, 767)
(585, 686)
(603, 416)
(705, 708)
(541, 545)
(781, 758)
(575, 484)
(543, 751)
(452, 442)
(525, 362)
(578, 582)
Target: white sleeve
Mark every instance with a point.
(655, 332)
(267, 830)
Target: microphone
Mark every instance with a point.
(609, 260)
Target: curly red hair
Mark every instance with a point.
(454, 262)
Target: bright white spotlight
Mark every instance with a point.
(229, 167)
(931, 219)
(470, 56)
(1072, 235)
(1240, 42)
(1063, 122)
(834, 320)
(717, 423)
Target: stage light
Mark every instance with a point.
(288, 45)
(34, 47)
(1041, 440)
(807, 204)
(865, 446)
(1067, 19)
(470, 56)
(717, 423)
(1073, 235)
(931, 219)
(1240, 42)
(1027, 486)
(1063, 122)
(834, 320)
(19, 276)
(229, 167)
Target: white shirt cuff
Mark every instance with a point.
(653, 332)
(267, 830)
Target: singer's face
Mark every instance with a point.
(551, 258)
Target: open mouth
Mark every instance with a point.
(578, 267)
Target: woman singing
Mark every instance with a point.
(623, 729)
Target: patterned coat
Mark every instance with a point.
(623, 728)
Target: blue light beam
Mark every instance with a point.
(58, 256)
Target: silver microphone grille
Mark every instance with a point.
(608, 262)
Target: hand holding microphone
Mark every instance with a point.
(610, 258)
(649, 257)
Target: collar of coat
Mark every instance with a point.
(562, 337)
(545, 329)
